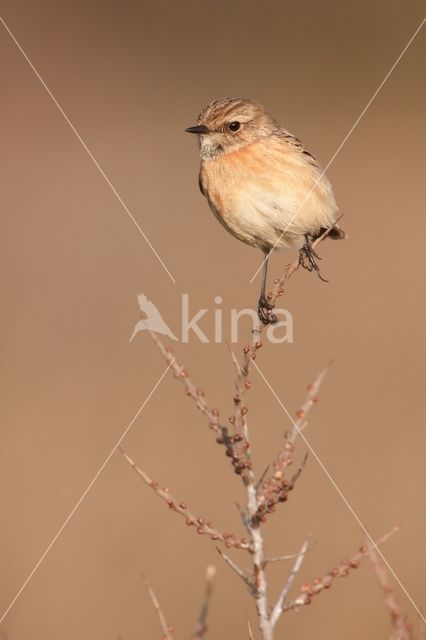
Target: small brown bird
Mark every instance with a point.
(262, 185)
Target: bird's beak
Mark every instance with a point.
(199, 129)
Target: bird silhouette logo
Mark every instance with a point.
(153, 321)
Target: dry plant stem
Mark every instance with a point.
(274, 487)
(260, 584)
(167, 631)
(236, 446)
(311, 589)
(250, 632)
(201, 625)
(401, 627)
(279, 607)
(242, 574)
(202, 527)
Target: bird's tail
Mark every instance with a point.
(336, 233)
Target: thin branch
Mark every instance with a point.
(167, 630)
(201, 625)
(279, 607)
(400, 625)
(244, 577)
(235, 445)
(202, 527)
(291, 556)
(250, 632)
(311, 589)
(274, 488)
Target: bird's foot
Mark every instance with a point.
(308, 259)
(264, 311)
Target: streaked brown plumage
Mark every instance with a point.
(260, 182)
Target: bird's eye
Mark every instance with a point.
(234, 126)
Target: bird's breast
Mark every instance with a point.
(257, 190)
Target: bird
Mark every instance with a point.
(262, 184)
(153, 321)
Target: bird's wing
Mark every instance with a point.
(297, 144)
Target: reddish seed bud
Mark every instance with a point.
(334, 572)
(182, 505)
(310, 387)
(305, 587)
(276, 280)
(231, 419)
(214, 537)
(354, 564)
(189, 522)
(270, 295)
(199, 530)
(154, 484)
(280, 292)
(200, 392)
(363, 549)
(315, 399)
(215, 412)
(287, 435)
(288, 267)
(327, 581)
(244, 410)
(237, 399)
(253, 356)
(258, 344)
(316, 581)
(246, 349)
(200, 521)
(288, 446)
(300, 413)
(183, 373)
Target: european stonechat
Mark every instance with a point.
(262, 185)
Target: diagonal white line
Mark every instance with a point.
(90, 154)
(340, 493)
(349, 133)
(86, 491)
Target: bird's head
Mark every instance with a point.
(227, 124)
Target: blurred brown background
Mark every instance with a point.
(131, 76)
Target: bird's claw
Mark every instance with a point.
(264, 311)
(308, 259)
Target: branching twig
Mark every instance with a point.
(167, 630)
(311, 589)
(275, 487)
(202, 527)
(236, 445)
(244, 577)
(201, 625)
(250, 632)
(279, 607)
(401, 627)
